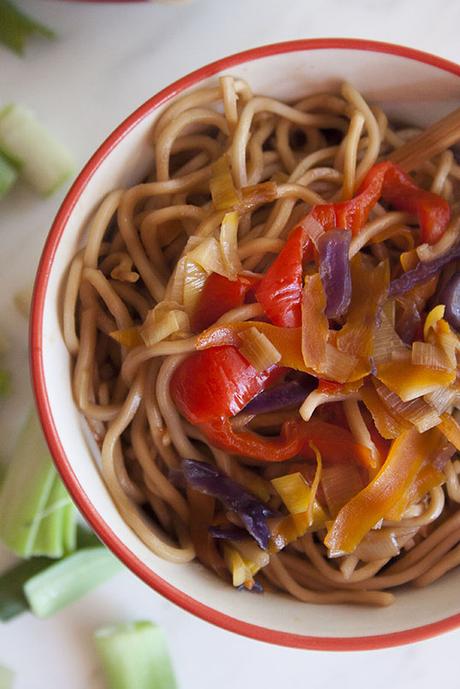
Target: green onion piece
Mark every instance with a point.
(43, 162)
(16, 27)
(69, 579)
(12, 599)
(6, 678)
(5, 383)
(2, 472)
(51, 539)
(135, 656)
(69, 528)
(25, 490)
(8, 175)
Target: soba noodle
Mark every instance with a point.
(318, 150)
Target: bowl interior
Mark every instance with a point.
(408, 89)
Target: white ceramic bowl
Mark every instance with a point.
(409, 85)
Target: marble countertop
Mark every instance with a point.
(106, 61)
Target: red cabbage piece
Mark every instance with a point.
(422, 272)
(283, 396)
(228, 533)
(334, 271)
(256, 587)
(207, 479)
(450, 297)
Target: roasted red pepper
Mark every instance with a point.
(280, 290)
(217, 382)
(386, 180)
(220, 295)
(336, 444)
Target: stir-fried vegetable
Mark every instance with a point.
(450, 297)
(135, 656)
(209, 480)
(385, 180)
(422, 272)
(336, 444)
(280, 290)
(334, 270)
(286, 395)
(370, 505)
(223, 382)
(371, 335)
(218, 296)
(257, 349)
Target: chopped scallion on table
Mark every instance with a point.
(69, 579)
(42, 161)
(6, 678)
(8, 175)
(16, 27)
(135, 656)
(12, 599)
(35, 508)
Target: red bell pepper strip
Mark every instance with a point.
(335, 444)
(386, 180)
(217, 382)
(280, 290)
(219, 295)
(287, 445)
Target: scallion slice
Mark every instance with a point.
(135, 656)
(12, 599)
(6, 678)
(37, 516)
(8, 175)
(43, 162)
(16, 27)
(69, 579)
(25, 490)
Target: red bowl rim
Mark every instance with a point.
(62, 462)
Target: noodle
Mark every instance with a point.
(153, 249)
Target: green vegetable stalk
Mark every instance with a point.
(6, 678)
(135, 656)
(16, 27)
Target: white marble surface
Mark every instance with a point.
(106, 61)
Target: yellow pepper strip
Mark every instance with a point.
(451, 429)
(409, 259)
(369, 506)
(298, 496)
(428, 477)
(315, 325)
(409, 381)
(432, 318)
(294, 491)
(369, 288)
(129, 337)
(294, 526)
(315, 484)
(238, 567)
(288, 341)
